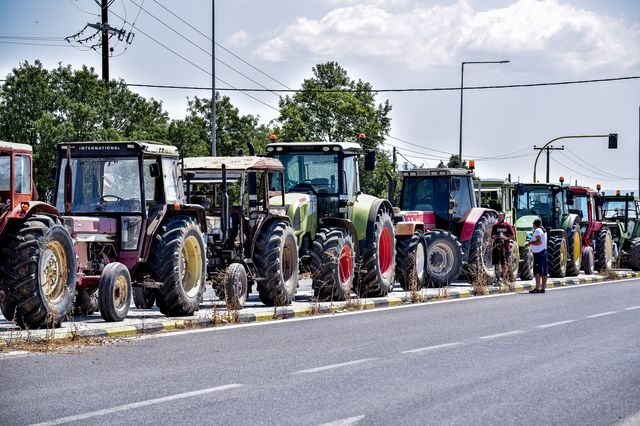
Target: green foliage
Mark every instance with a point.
(454, 163)
(330, 106)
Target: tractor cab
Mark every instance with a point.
(547, 201)
(442, 197)
(496, 194)
(16, 184)
(621, 213)
(586, 203)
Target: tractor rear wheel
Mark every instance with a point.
(143, 297)
(177, 260)
(86, 302)
(557, 256)
(634, 254)
(604, 250)
(443, 259)
(332, 264)
(39, 268)
(378, 261)
(410, 259)
(276, 257)
(587, 260)
(525, 267)
(114, 292)
(574, 251)
(480, 267)
(236, 286)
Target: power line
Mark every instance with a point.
(589, 176)
(24, 43)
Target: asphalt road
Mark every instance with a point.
(570, 356)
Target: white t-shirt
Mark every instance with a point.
(539, 235)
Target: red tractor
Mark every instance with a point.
(440, 232)
(597, 241)
(37, 265)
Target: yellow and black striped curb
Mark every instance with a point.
(74, 331)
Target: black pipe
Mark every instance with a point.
(224, 203)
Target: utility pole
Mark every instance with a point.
(548, 149)
(394, 159)
(213, 79)
(104, 12)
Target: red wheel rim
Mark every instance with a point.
(345, 264)
(385, 252)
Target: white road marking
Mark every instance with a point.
(139, 404)
(13, 354)
(554, 324)
(433, 348)
(632, 308)
(332, 366)
(604, 314)
(345, 422)
(496, 336)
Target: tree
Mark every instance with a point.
(331, 106)
(454, 163)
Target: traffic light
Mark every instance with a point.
(613, 141)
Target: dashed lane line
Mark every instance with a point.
(139, 404)
(632, 308)
(433, 348)
(555, 324)
(345, 422)
(332, 366)
(497, 336)
(604, 314)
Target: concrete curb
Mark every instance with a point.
(73, 332)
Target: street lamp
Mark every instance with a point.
(462, 93)
(613, 144)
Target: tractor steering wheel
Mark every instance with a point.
(117, 199)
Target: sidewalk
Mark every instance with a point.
(213, 313)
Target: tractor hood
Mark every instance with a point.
(299, 206)
(525, 223)
(428, 218)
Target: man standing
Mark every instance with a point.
(502, 234)
(539, 247)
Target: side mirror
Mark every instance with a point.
(154, 170)
(370, 160)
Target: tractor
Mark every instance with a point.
(37, 265)
(345, 238)
(439, 226)
(124, 205)
(597, 241)
(547, 202)
(621, 214)
(497, 194)
(250, 239)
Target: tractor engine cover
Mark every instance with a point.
(92, 229)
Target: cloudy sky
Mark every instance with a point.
(393, 44)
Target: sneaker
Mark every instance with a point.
(541, 291)
(535, 290)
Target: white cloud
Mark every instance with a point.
(551, 33)
(238, 39)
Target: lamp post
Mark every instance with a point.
(613, 144)
(462, 95)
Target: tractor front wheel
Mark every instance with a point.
(634, 254)
(114, 292)
(410, 260)
(587, 260)
(332, 264)
(557, 256)
(276, 257)
(525, 267)
(39, 268)
(604, 250)
(236, 286)
(378, 261)
(443, 259)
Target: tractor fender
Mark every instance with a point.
(302, 209)
(597, 227)
(470, 220)
(408, 228)
(17, 213)
(569, 222)
(342, 223)
(376, 205)
(561, 232)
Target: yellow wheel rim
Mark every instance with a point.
(563, 253)
(191, 265)
(577, 249)
(120, 292)
(54, 272)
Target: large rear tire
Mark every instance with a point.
(276, 257)
(557, 256)
(177, 260)
(574, 251)
(378, 261)
(410, 261)
(332, 264)
(634, 254)
(114, 292)
(525, 267)
(604, 251)
(480, 266)
(143, 298)
(39, 268)
(443, 259)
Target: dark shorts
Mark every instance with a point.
(540, 263)
(500, 256)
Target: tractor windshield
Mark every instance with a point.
(102, 185)
(615, 209)
(316, 170)
(542, 201)
(426, 194)
(580, 206)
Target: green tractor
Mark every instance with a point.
(621, 214)
(549, 203)
(497, 194)
(346, 239)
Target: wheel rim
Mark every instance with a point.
(563, 255)
(345, 264)
(420, 261)
(577, 249)
(440, 260)
(385, 252)
(54, 272)
(191, 265)
(120, 292)
(608, 249)
(287, 262)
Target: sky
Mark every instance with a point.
(393, 44)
